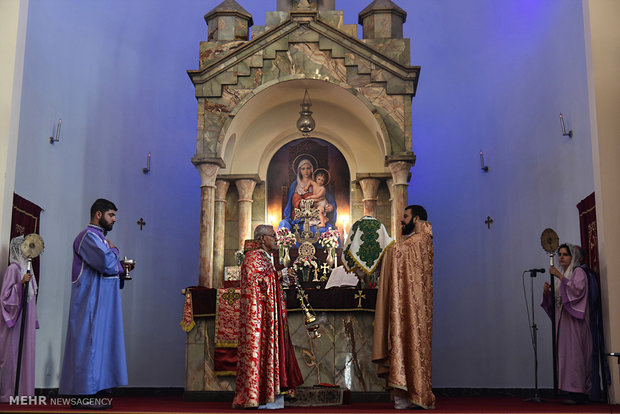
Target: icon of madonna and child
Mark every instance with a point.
(311, 182)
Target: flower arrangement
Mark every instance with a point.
(285, 238)
(305, 262)
(329, 239)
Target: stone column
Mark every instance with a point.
(400, 176)
(221, 188)
(208, 174)
(370, 188)
(395, 215)
(245, 187)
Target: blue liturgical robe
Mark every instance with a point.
(94, 357)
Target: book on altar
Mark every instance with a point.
(340, 278)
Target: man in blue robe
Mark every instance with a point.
(94, 358)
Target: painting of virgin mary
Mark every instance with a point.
(303, 187)
(291, 178)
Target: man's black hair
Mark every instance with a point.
(417, 210)
(101, 205)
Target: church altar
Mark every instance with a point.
(340, 356)
(260, 159)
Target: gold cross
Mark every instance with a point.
(230, 296)
(360, 295)
(325, 268)
(306, 212)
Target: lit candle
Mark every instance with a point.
(481, 160)
(345, 220)
(562, 122)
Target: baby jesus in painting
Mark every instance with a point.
(321, 178)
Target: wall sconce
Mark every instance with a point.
(483, 167)
(564, 133)
(57, 137)
(305, 123)
(148, 164)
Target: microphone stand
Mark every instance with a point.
(536, 397)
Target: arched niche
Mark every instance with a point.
(266, 121)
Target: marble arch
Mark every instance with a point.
(263, 124)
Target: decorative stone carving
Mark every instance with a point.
(228, 21)
(382, 19)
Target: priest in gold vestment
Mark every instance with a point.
(403, 326)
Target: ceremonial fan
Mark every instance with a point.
(550, 242)
(31, 247)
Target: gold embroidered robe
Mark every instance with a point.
(404, 318)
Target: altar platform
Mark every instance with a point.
(341, 356)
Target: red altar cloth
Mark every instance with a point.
(226, 331)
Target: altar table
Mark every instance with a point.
(340, 356)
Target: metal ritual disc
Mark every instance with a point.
(549, 240)
(306, 249)
(32, 246)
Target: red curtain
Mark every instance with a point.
(589, 235)
(25, 220)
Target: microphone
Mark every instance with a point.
(536, 270)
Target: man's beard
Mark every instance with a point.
(408, 228)
(105, 225)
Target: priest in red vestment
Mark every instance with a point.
(403, 326)
(266, 365)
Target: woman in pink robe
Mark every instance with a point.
(10, 323)
(574, 340)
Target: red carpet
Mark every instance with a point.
(175, 404)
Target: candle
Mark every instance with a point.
(481, 159)
(56, 138)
